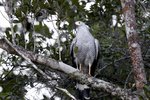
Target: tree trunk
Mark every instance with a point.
(133, 43)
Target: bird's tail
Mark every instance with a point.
(83, 91)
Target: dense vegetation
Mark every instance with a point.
(106, 22)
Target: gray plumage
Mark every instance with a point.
(84, 48)
(84, 51)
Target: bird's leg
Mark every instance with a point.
(89, 69)
(77, 66)
(80, 67)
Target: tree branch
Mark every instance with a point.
(26, 58)
(128, 7)
(74, 73)
(65, 91)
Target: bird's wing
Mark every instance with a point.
(72, 46)
(97, 48)
(72, 52)
(97, 57)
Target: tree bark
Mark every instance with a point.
(95, 83)
(128, 7)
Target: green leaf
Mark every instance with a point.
(42, 29)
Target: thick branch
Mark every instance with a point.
(26, 58)
(74, 73)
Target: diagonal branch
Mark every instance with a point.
(65, 91)
(74, 73)
(26, 58)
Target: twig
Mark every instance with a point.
(102, 69)
(33, 32)
(127, 79)
(111, 64)
(4, 16)
(65, 91)
(7, 73)
(58, 41)
(10, 19)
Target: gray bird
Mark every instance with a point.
(84, 51)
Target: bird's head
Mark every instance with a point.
(80, 23)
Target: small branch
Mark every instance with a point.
(65, 91)
(58, 40)
(105, 66)
(102, 69)
(127, 79)
(2, 78)
(8, 9)
(4, 16)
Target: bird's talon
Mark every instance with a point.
(89, 75)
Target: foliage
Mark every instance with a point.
(115, 63)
